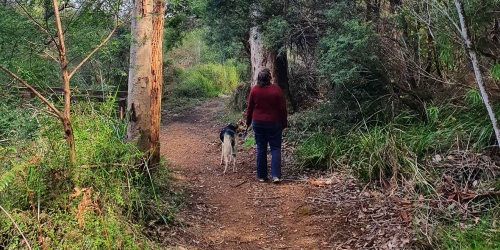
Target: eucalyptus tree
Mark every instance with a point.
(241, 24)
(145, 77)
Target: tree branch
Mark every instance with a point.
(34, 91)
(36, 22)
(17, 227)
(95, 50)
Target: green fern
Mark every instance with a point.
(8, 177)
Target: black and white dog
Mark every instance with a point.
(228, 139)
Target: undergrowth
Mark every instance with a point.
(440, 158)
(375, 149)
(100, 203)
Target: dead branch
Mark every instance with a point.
(36, 93)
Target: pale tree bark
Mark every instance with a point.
(145, 78)
(157, 79)
(475, 64)
(260, 56)
(139, 79)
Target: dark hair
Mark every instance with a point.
(264, 78)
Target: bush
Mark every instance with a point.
(206, 80)
(375, 151)
(99, 203)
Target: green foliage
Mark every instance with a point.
(315, 151)
(228, 24)
(99, 203)
(20, 43)
(479, 235)
(249, 141)
(376, 151)
(474, 99)
(348, 54)
(206, 80)
(495, 72)
(29, 52)
(7, 177)
(274, 34)
(16, 121)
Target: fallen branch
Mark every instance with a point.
(487, 194)
(241, 183)
(17, 227)
(271, 197)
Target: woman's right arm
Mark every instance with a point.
(250, 106)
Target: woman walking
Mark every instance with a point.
(266, 112)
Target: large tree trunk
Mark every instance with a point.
(157, 79)
(140, 80)
(260, 56)
(477, 70)
(281, 78)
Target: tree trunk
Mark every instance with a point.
(63, 62)
(140, 80)
(281, 78)
(157, 79)
(477, 70)
(260, 56)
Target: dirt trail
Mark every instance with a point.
(234, 211)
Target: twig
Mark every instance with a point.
(95, 49)
(492, 193)
(17, 227)
(241, 183)
(270, 197)
(37, 94)
(109, 164)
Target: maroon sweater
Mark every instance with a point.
(267, 104)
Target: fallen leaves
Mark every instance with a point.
(323, 181)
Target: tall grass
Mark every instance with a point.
(397, 148)
(100, 203)
(205, 80)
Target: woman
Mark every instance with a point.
(266, 112)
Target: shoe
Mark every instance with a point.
(276, 180)
(262, 180)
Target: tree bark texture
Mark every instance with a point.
(140, 80)
(477, 71)
(260, 56)
(63, 62)
(157, 79)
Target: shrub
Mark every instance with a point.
(91, 205)
(206, 80)
(375, 151)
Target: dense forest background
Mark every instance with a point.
(383, 89)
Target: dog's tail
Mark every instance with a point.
(230, 142)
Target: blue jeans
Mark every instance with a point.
(268, 133)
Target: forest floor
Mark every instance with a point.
(235, 211)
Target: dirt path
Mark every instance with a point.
(234, 211)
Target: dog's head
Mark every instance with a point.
(241, 128)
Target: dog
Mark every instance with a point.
(228, 138)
